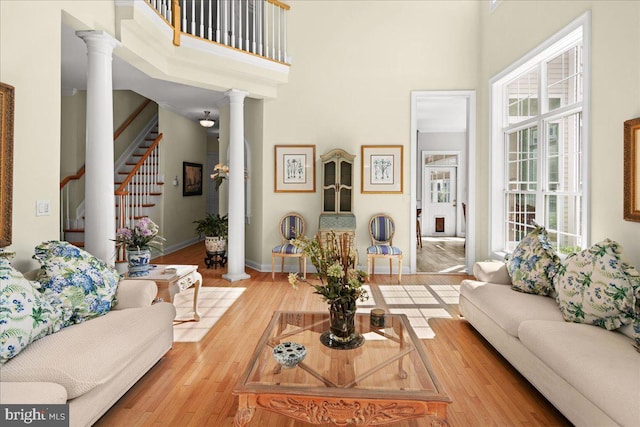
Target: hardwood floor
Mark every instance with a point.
(441, 255)
(192, 384)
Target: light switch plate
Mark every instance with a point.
(43, 208)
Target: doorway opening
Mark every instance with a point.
(443, 139)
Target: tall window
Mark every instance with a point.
(538, 108)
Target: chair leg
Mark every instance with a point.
(273, 267)
(282, 265)
(400, 269)
(390, 267)
(368, 268)
(304, 267)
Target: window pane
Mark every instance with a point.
(564, 78)
(440, 186)
(521, 213)
(522, 163)
(522, 95)
(564, 145)
(563, 213)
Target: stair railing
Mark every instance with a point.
(254, 26)
(65, 187)
(135, 191)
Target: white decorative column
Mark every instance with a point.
(235, 242)
(99, 199)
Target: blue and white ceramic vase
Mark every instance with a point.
(138, 261)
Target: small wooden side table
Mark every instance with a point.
(173, 279)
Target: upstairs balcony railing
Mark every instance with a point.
(254, 26)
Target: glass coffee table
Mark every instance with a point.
(387, 379)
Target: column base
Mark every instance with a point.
(234, 277)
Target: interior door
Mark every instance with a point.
(439, 201)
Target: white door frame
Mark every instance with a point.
(470, 96)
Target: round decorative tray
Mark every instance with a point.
(289, 354)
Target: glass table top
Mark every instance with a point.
(390, 363)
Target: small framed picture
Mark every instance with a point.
(191, 179)
(295, 168)
(382, 169)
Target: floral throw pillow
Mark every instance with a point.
(25, 315)
(77, 278)
(596, 287)
(533, 264)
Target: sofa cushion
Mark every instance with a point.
(492, 272)
(600, 364)
(507, 307)
(533, 263)
(25, 315)
(77, 278)
(81, 357)
(596, 287)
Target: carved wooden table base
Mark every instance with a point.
(339, 411)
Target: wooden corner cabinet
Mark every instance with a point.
(337, 192)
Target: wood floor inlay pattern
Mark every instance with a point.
(192, 384)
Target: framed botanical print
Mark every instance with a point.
(382, 169)
(295, 169)
(632, 170)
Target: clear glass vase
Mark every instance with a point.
(342, 324)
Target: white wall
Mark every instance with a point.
(515, 28)
(354, 67)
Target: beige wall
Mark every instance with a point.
(183, 141)
(615, 97)
(354, 67)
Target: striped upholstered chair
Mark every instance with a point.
(381, 230)
(292, 226)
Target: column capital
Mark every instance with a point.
(236, 95)
(98, 39)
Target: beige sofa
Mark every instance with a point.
(590, 374)
(92, 364)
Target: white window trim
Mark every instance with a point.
(558, 42)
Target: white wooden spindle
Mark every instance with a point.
(225, 27)
(280, 11)
(233, 25)
(169, 12)
(253, 25)
(239, 15)
(260, 19)
(273, 31)
(193, 17)
(209, 29)
(246, 26)
(202, 18)
(218, 21)
(184, 15)
(163, 9)
(284, 36)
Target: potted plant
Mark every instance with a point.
(215, 229)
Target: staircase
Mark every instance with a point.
(137, 186)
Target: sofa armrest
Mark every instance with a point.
(133, 293)
(492, 272)
(36, 393)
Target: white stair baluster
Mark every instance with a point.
(209, 29)
(202, 18)
(284, 38)
(225, 27)
(193, 17)
(184, 15)
(218, 11)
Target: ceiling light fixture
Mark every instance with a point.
(207, 122)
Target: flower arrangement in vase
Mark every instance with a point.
(340, 282)
(138, 241)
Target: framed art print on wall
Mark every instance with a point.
(191, 179)
(6, 162)
(382, 169)
(632, 170)
(295, 169)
